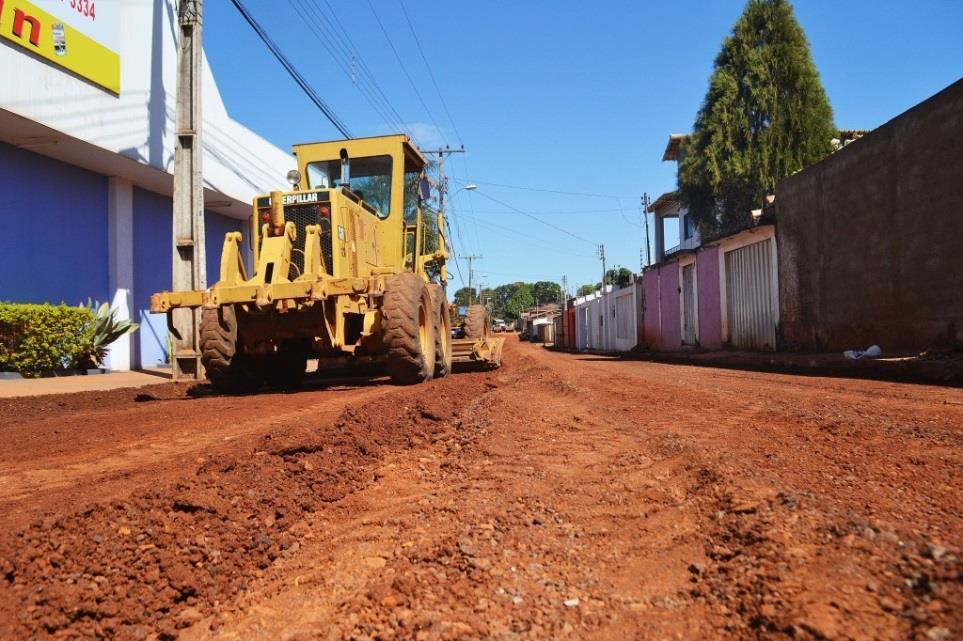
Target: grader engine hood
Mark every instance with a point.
(303, 209)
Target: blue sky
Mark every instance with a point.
(559, 96)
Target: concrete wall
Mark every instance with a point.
(871, 239)
(55, 237)
(598, 317)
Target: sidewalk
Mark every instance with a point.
(71, 384)
(903, 368)
(907, 369)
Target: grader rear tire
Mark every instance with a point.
(442, 331)
(228, 371)
(477, 324)
(409, 326)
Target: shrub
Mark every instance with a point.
(107, 329)
(39, 338)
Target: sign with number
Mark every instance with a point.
(81, 36)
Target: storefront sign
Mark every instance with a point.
(80, 36)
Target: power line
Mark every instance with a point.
(617, 199)
(550, 212)
(345, 58)
(431, 74)
(536, 218)
(364, 65)
(531, 238)
(551, 191)
(401, 63)
(298, 78)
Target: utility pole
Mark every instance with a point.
(471, 271)
(645, 218)
(442, 179)
(602, 256)
(565, 291)
(189, 261)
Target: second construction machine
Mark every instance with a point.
(349, 269)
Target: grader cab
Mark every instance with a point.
(349, 268)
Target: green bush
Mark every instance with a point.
(39, 338)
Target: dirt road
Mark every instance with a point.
(562, 496)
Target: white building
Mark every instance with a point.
(86, 160)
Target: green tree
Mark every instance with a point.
(764, 117)
(546, 291)
(462, 296)
(521, 299)
(585, 290)
(504, 293)
(618, 276)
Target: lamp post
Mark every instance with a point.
(468, 187)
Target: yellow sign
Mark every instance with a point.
(30, 27)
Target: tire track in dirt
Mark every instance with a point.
(559, 497)
(154, 562)
(58, 451)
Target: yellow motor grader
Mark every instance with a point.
(349, 268)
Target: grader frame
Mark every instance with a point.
(336, 276)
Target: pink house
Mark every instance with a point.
(713, 293)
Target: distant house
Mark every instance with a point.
(708, 293)
(668, 207)
(536, 321)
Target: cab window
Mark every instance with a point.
(370, 179)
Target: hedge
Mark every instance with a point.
(40, 338)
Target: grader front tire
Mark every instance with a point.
(409, 326)
(226, 369)
(476, 322)
(442, 332)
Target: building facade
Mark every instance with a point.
(86, 161)
(708, 294)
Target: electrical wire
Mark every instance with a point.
(536, 218)
(531, 239)
(551, 191)
(364, 65)
(345, 55)
(298, 78)
(431, 74)
(341, 57)
(401, 63)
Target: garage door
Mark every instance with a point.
(749, 298)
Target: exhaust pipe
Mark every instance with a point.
(345, 169)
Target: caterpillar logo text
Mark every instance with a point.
(297, 199)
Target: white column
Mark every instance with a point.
(120, 253)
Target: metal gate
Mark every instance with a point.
(751, 312)
(688, 305)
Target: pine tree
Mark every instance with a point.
(765, 116)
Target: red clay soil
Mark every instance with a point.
(559, 497)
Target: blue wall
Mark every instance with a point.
(53, 247)
(152, 273)
(153, 265)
